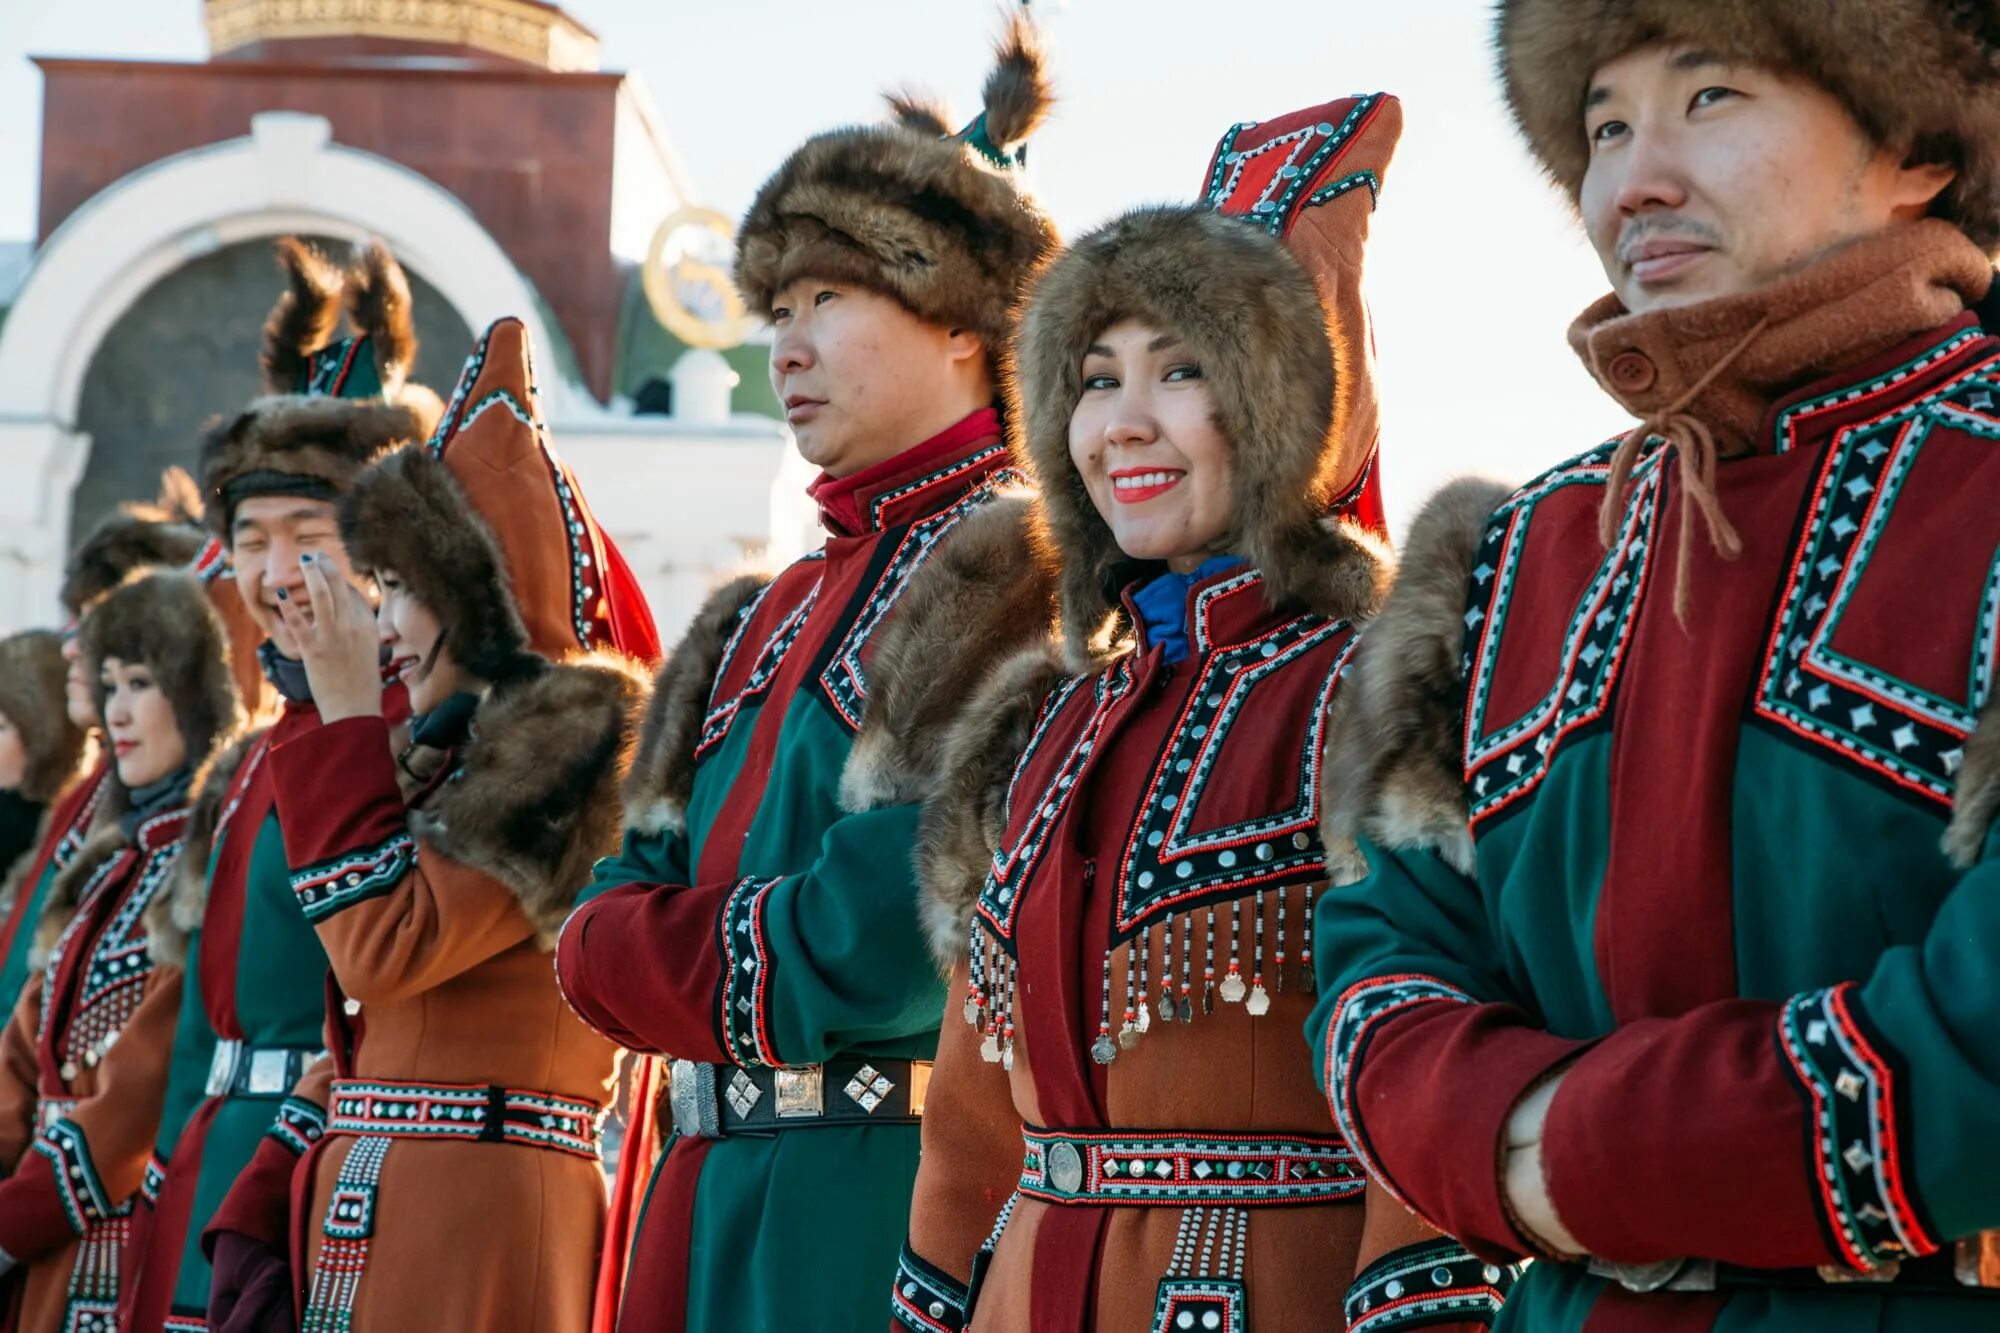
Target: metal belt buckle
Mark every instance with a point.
(691, 1099)
(1063, 1166)
(222, 1067)
(1976, 1260)
(800, 1092)
(270, 1073)
(1665, 1275)
(1887, 1271)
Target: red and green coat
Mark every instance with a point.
(1734, 879)
(64, 829)
(750, 919)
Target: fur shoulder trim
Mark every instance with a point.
(66, 893)
(662, 776)
(1976, 802)
(535, 801)
(175, 915)
(1393, 768)
(966, 816)
(986, 593)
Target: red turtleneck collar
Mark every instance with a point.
(851, 506)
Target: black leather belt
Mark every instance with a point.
(242, 1070)
(1954, 1269)
(715, 1101)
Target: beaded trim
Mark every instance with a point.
(1868, 1203)
(153, 1181)
(722, 715)
(1318, 144)
(213, 564)
(343, 1251)
(368, 872)
(298, 1126)
(85, 1201)
(1180, 1170)
(1792, 420)
(1360, 1011)
(113, 982)
(1424, 1285)
(73, 837)
(181, 1323)
(447, 1111)
(926, 1299)
(746, 961)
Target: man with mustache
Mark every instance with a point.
(1672, 960)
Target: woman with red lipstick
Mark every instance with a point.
(1121, 865)
(452, 1178)
(83, 1062)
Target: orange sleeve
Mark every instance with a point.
(20, 1076)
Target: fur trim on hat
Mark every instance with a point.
(1394, 766)
(172, 917)
(165, 532)
(378, 303)
(1253, 317)
(661, 782)
(1917, 73)
(407, 513)
(305, 317)
(164, 619)
(32, 696)
(986, 592)
(966, 816)
(330, 439)
(909, 211)
(534, 803)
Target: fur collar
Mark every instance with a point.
(66, 892)
(662, 777)
(175, 915)
(1393, 767)
(1976, 802)
(986, 592)
(533, 802)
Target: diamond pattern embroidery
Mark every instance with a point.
(868, 1088)
(742, 1094)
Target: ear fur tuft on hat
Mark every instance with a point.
(378, 302)
(1018, 93)
(305, 316)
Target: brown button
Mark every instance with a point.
(1632, 372)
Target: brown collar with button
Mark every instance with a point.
(1841, 309)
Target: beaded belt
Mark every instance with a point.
(51, 1109)
(714, 1101)
(1144, 1167)
(242, 1070)
(400, 1110)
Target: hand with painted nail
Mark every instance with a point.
(338, 643)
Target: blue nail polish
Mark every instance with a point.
(304, 556)
(282, 596)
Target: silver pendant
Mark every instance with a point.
(1007, 1057)
(1233, 989)
(1260, 1001)
(989, 1050)
(1166, 1007)
(1187, 1009)
(1128, 1036)
(1145, 1017)
(972, 1013)
(1103, 1050)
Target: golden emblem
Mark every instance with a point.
(687, 279)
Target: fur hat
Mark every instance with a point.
(133, 536)
(1920, 72)
(909, 209)
(491, 532)
(1253, 314)
(163, 618)
(329, 406)
(32, 673)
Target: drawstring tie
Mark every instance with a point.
(1691, 438)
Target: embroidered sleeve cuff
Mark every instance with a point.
(926, 1299)
(1431, 1284)
(746, 975)
(299, 1125)
(324, 820)
(54, 1196)
(154, 1179)
(331, 886)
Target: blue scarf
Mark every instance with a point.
(1163, 605)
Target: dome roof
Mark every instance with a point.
(515, 32)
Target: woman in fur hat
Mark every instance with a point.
(1121, 865)
(453, 1178)
(41, 750)
(83, 1062)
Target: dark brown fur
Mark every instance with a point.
(175, 915)
(305, 316)
(32, 696)
(378, 303)
(1393, 765)
(536, 802)
(662, 777)
(164, 619)
(900, 210)
(1976, 801)
(1253, 318)
(328, 438)
(408, 514)
(166, 531)
(986, 592)
(1916, 73)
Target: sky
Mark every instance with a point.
(1476, 266)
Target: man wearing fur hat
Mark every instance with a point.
(252, 1014)
(1672, 963)
(754, 927)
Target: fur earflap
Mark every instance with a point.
(534, 802)
(986, 592)
(966, 815)
(305, 316)
(323, 440)
(1394, 760)
(911, 211)
(406, 513)
(1252, 317)
(1922, 75)
(662, 777)
(165, 532)
(32, 676)
(173, 917)
(378, 302)
(163, 618)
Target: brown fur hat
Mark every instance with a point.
(164, 619)
(165, 532)
(911, 211)
(1921, 73)
(32, 672)
(408, 514)
(1253, 316)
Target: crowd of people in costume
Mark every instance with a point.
(1109, 884)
